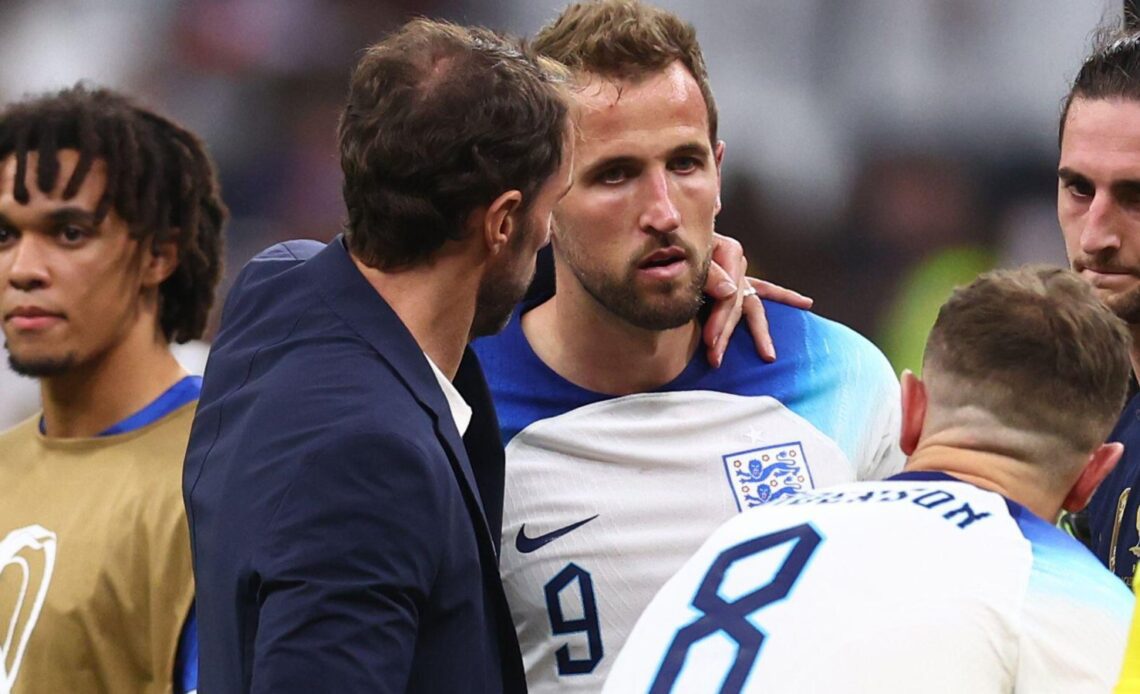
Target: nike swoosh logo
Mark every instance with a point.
(526, 544)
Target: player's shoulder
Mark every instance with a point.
(1050, 541)
(1060, 561)
(822, 337)
(157, 455)
(20, 448)
(811, 343)
(146, 461)
(20, 433)
(168, 432)
(1075, 615)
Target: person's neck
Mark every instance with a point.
(92, 397)
(1012, 477)
(587, 345)
(436, 303)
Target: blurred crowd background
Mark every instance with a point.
(878, 151)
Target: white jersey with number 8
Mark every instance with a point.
(918, 584)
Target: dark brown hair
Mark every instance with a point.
(1111, 71)
(441, 120)
(159, 181)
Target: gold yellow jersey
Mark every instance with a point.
(95, 576)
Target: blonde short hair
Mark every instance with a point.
(626, 40)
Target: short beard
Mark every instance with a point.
(494, 303)
(41, 368)
(621, 298)
(1126, 306)
(501, 289)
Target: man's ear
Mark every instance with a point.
(499, 221)
(1101, 462)
(718, 157)
(913, 410)
(161, 260)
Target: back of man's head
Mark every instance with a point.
(1110, 71)
(1034, 350)
(440, 120)
(159, 180)
(625, 40)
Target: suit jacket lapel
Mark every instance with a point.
(483, 441)
(352, 298)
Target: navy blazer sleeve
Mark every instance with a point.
(346, 566)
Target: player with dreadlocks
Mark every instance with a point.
(110, 247)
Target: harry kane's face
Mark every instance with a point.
(635, 230)
(69, 288)
(1098, 199)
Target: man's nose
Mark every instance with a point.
(27, 266)
(660, 214)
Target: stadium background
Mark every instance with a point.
(879, 151)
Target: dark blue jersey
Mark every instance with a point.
(1114, 512)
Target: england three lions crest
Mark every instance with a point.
(759, 475)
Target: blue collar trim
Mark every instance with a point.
(177, 395)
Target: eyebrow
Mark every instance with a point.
(608, 163)
(63, 215)
(1129, 186)
(1126, 189)
(72, 214)
(1066, 174)
(696, 148)
(690, 148)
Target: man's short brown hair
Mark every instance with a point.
(441, 120)
(626, 40)
(1034, 348)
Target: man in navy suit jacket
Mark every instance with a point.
(345, 538)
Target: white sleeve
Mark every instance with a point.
(884, 457)
(1073, 634)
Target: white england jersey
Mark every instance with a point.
(918, 584)
(606, 496)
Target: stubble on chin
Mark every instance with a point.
(661, 308)
(42, 367)
(1126, 306)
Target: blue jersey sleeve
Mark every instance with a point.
(186, 660)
